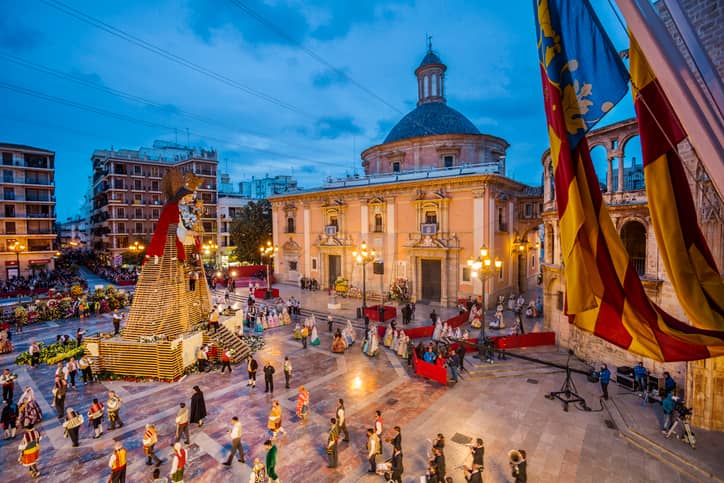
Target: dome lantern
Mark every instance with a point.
(430, 77)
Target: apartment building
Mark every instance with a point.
(27, 232)
(229, 208)
(127, 193)
(73, 232)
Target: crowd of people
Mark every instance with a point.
(62, 278)
(100, 267)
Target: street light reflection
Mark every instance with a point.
(357, 383)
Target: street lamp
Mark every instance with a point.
(363, 256)
(136, 248)
(17, 247)
(268, 251)
(483, 268)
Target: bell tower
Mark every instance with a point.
(430, 77)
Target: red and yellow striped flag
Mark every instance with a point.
(691, 268)
(582, 79)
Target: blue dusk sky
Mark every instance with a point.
(297, 87)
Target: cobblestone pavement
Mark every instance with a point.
(507, 413)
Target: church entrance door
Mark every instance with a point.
(334, 262)
(431, 280)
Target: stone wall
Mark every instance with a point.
(707, 19)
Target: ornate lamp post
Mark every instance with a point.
(483, 268)
(363, 256)
(17, 247)
(136, 248)
(268, 251)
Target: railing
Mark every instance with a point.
(639, 264)
(40, 215)
(391, 176)
(45, 182)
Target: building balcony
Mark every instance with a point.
(28, 199)
(30, 163)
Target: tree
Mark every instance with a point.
(252, 229)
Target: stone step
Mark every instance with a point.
(224, 337)
(495, 371)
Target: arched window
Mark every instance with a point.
(633, 169)
(599, 157)
(290, 225)
(633, 235)
(433, 88)
(426, 86)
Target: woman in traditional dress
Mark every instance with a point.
(29, 412)
(457, 334)
(303, 404)
(437, 333)
(387, 341)
(402, 345)
(297, 331)
(286, 319)
(30, 450)
(475, 314)
(259, 327)
(275, 420)
(258, 472)
(374, 344)
(315, 337)
(349, 334)
(273, 320)
(338, 344)
(395, 340)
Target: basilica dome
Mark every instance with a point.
(433, 135)
(429, 119)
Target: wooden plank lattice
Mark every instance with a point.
(163, 303)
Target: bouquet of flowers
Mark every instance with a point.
(399, 291)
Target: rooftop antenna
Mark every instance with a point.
(188, 142)
(354, 150)
(175, 130)
(429, 42)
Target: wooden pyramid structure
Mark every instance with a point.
(164, 303)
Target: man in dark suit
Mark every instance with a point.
(397, 467)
